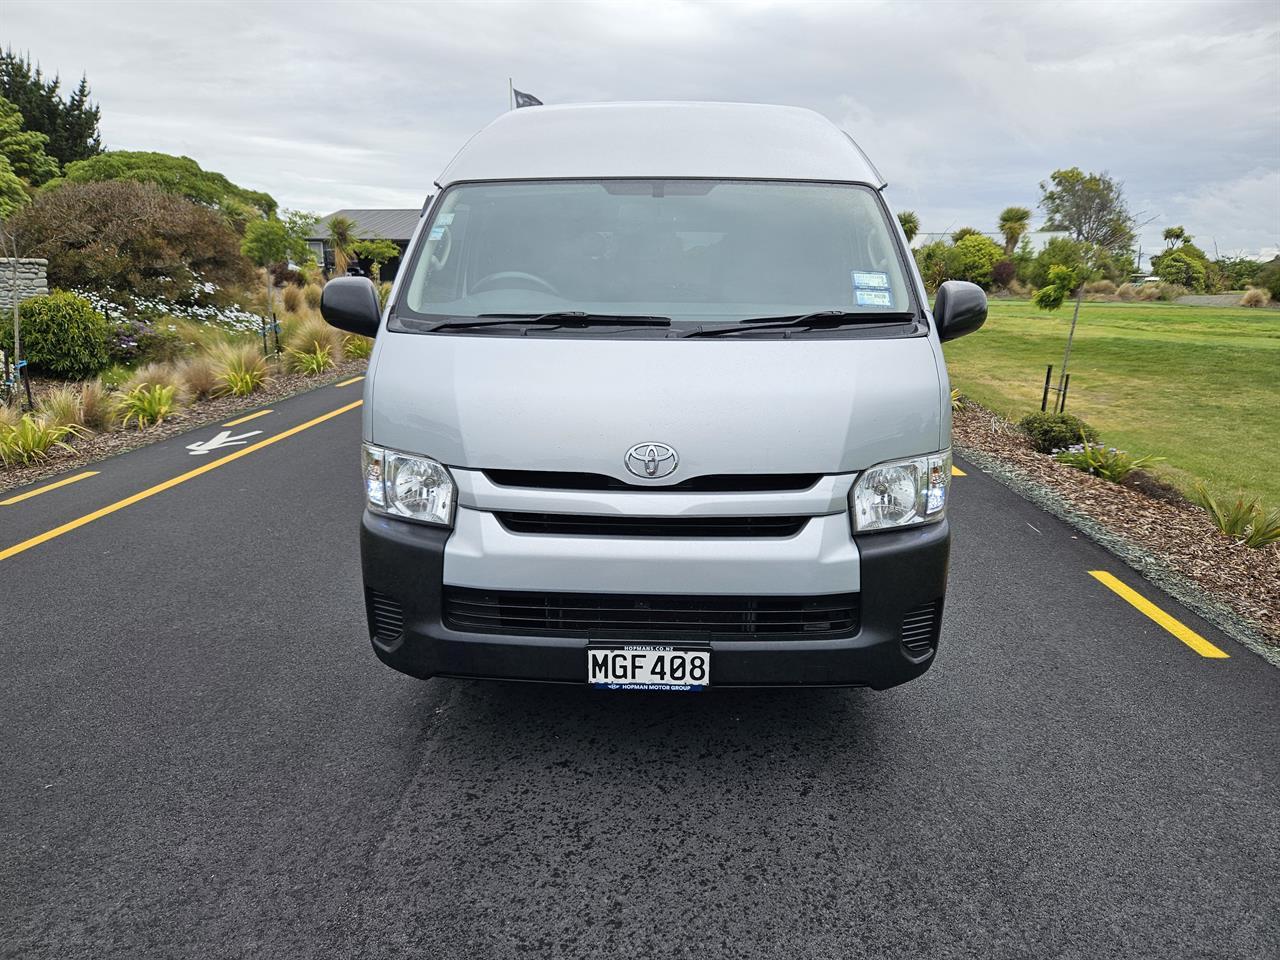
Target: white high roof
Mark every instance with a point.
(673, 139)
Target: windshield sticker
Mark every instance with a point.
(874, 298)
(867, 280)
(871, 288)
(444, 219)
(436, 233)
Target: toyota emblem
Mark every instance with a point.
(650, 460)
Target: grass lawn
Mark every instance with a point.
(1199, 386)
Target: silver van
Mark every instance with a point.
(657, 402)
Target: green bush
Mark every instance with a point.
(145, 405)
(1245, 520)
(62, 335)
(973, 257)
(1181, 268)
(31, 439)
(1269, 278)
(1050, 432)
(1106, 462)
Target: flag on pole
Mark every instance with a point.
(525, 99)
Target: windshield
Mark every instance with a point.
(696, 251)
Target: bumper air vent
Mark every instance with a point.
(600, 615)
(920, 628)
(386, 618)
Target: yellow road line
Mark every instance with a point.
(1179, 629)
(47, 487)
(246, 419)
(167, 484)
(957, 472)
(347, 383)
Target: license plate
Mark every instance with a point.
(648, 667)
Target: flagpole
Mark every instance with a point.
(511, 96)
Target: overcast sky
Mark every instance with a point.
(964, 106)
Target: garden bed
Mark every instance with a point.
(1171, 541)
(99, 446)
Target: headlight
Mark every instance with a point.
(902, 493)
(402, 485)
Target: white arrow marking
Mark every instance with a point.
(223, 439)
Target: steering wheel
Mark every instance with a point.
(494, 279)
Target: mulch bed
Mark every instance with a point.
(1143, 512)
(99, 446)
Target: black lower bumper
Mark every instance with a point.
(902, 573)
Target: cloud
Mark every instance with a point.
(965, 107)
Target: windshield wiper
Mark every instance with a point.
(558, 318)
(820, 320)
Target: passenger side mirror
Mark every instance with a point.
(351, 304)
(958, 309)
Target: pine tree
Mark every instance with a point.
(71, 126)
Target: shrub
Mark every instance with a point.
(1268, 277)
(312, 292)
(62, 335)
(1102, 287)
(145, 404)
(200, 377)
(97, 411)
(155, 375)
(292, 297)
(61, 407)
(131, 238)
(240, 370)
(357, 347)
(1255, 297)
(311, 362)
(1003, 273)
(1106, 462)
(283, 274)
(1244, 520)
(9, 415)
(1127, 291)
(1018, 288)
(384, 294)
(1181, 268)
(1058, 252)
(31, 439)
(1050, 432)
(973, 258)
(312, 332)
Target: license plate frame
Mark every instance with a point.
(649, 666)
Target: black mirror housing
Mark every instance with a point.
(351, 304)
(959, 308)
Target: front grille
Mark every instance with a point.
(582, 525)
(711, 483)
(386, 616)
(599, 615)
(920, 627)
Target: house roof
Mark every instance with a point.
(387, 224)
(672, 139)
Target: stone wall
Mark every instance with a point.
(32, 280)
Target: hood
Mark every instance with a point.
(726, 406)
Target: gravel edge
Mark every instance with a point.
(1182, 589)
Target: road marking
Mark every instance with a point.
(1179, 629)
(957, 472)
(47, 487)
(111, 508)
(224, 439)
(347, 383)
(252, 416)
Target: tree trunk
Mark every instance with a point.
(1066, 357)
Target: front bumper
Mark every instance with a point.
(902, 572)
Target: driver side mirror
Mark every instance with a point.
(959, 308)
(351, 304)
